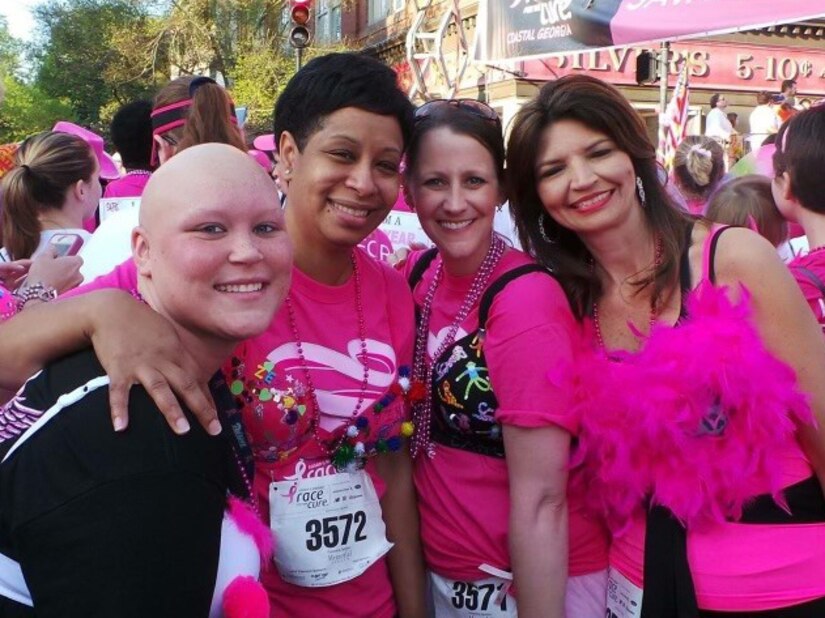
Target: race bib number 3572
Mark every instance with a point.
(327, 529)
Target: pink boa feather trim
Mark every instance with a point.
(695, 420)
(250, 524)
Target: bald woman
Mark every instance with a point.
(99, 523)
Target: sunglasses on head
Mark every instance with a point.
(477, 108)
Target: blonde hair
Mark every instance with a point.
(747, 202)
(47, 164)
(698, 165)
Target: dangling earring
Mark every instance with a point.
(640, 192)
(543, 232)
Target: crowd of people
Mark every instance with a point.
(764, 120)
(239, 412)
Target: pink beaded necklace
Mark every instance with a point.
(362, 334)
(422, 364)
(138, 172)
(657, 261)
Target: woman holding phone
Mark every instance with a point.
(52, 190)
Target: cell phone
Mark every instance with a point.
(65, 244)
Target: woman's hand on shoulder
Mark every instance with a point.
(136, 345)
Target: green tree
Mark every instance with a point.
(84, 54)
(23, 108)
(10, 49)
(27, 110)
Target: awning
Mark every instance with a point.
(520, 29)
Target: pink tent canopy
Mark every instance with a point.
(520, 29)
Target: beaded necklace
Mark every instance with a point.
(422, 365)
(657, 261)
(362, 335)
(137, 172)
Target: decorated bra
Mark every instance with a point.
(278, 416)
(463, 401)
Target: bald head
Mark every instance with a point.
(211, 250)
(200, 176)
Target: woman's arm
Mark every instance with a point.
(401, 517)
(783, 319)
(134, 345)
(537, 472)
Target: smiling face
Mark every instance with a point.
(344, 181)
(454, 189)
(584, 181)
(212, 250)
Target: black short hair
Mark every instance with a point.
(714, 99)
(131, 131)
(335, 81)
(788, 83)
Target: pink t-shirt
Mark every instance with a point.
(123, 277)
(130, 184)
(815, 263)
(8, 304)
(377, 245)
(737, 567)
(328, 326)
(463, 497)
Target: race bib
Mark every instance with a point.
(485, 598)
(110, 205)
(327, 529)
(624, 598)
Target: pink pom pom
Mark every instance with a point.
(245, 597)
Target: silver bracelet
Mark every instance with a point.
(34, 291)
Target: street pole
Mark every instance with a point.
(664, 58)
(299, 56)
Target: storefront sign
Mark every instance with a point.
(711, 65)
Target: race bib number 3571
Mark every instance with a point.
(327, 529)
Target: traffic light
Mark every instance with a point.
(299, 36)
(646, 68)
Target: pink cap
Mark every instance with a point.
(265, 142)
(261, 158)
(108, 168)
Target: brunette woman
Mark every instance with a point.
(693, 416)
(493, 436)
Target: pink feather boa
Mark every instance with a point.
(249, 523)
(694, 421)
